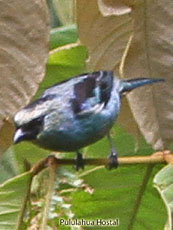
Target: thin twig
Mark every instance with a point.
(157, 158)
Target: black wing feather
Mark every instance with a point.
(86, 89)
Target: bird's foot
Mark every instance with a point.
(79, 161)
(113, 161)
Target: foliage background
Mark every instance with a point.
(103, 32)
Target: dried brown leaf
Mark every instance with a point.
(105, 37)
(24, 35)
(114, 7)
(105, 27)
(151, 55)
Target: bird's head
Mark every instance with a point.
(30, 120)
(27, 126)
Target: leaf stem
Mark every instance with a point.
(123, 59)
(140, 195)
(52, 172)
(23, 207)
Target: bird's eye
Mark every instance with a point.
(35, 123)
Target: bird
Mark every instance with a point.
(75, 113)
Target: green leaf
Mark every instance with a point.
(62, 36)
(8, 166)
(125, 193)
(64, 63)
(27, 154)
(13, 195)
(164, 184)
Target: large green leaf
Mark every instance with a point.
(13, 194)
(8, 166)
(64, 63)
(163, 181)
(125, 193)
(63, 35)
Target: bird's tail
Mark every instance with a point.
(130, 84)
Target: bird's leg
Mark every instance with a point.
(79, 161)
(113, 161)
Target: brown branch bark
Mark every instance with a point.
(156, 158)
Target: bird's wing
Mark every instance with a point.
(85, 94)
(92, 92)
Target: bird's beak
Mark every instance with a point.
(18, 136)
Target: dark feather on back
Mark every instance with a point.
(106, 87)
(85, 89)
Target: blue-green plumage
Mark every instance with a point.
(74, 113)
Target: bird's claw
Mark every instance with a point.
(113, 161)
(79, 162)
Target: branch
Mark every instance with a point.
(156, 158)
